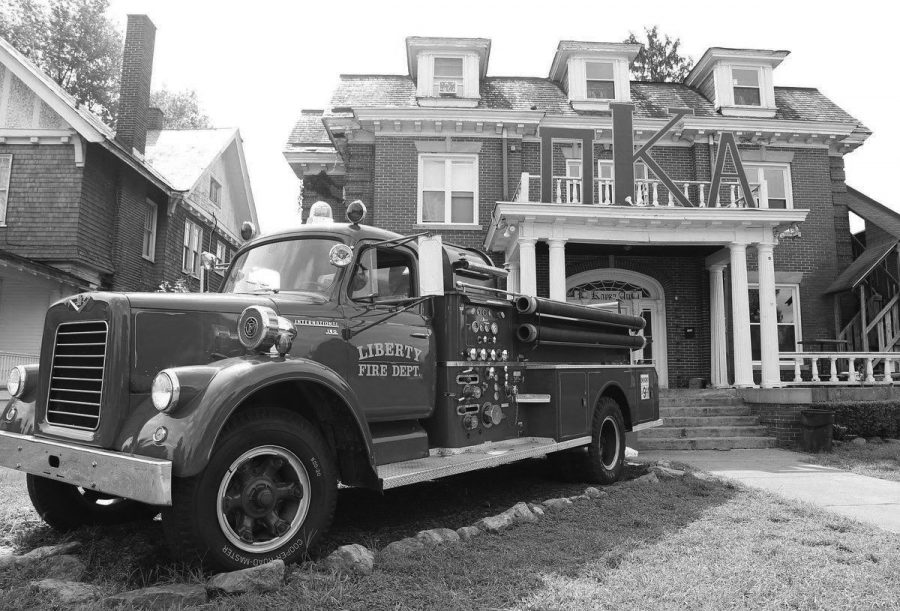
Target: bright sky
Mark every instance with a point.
(255, 65)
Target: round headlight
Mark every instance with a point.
(15, 382)
(165, 391)
(356, 211)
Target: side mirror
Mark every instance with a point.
(431, 266)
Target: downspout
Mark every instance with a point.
(503, 139)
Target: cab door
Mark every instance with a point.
(389, 336)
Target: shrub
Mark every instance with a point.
(867, 418)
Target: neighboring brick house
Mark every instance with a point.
(522, 167)
(83, 207)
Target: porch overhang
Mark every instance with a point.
(602, 224)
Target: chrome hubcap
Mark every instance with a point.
(263, 499)
(609, 443)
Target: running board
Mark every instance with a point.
(444, 462)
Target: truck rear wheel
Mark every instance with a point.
(603, 460)
(66, 507)
(268, 492)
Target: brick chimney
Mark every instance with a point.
(155, 119)
(134, 90)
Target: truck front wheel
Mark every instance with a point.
(268, 492)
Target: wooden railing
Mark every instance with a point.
(885, 324)
(8, 360)
(836, 368)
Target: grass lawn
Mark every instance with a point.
(680, 544)
(880, 460)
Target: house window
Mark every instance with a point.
(771, 184)
(746, 86)
(150, 213)
(605, 171)
(448, 189)
(601, 84)
(448, 76)
(5, 171)
(215, 191)
(193, 238)
(221, 255)
(787, 306)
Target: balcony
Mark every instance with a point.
(648, 192)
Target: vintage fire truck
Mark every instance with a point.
(334, 354)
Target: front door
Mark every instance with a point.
(391, 344)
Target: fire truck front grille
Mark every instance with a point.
(76, 378)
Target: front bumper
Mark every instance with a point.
(148, 480)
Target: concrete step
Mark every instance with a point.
(697, 411)
(707, 443)
(686, 400)
(673, 421)
(694, 432)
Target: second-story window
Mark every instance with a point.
(448, 189)
(746, 86)
(193, 240)
(448, 76)
(601, 83)
(771, 184)
(5, 172)
(150, 212)
(215, 191)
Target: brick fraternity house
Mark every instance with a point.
(734, 286)
(84, 207)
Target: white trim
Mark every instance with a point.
(448, 159)
(5, 187)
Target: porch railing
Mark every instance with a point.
(647, 192)
(8, 360)
(836, 368)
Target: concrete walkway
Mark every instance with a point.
(867, 499)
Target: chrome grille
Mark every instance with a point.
(76, 378)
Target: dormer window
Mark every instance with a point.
(448, 77)
(601, 82)
(746, 86)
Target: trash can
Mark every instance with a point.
(816, 425)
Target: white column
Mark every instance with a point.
(768, 317)
(527, 267)
(512, 280)
(557, 269)
(740, 317)
(718, 330)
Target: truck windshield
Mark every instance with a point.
(287, 266)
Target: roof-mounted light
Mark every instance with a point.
(356, 212)
(320, 214)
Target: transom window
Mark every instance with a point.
(601, 84)
(193, 240)
(215, 191)
(5, 171)
(606, 290)
(448, 189)
(149, 249)
(787, 306)
(774, 185)
(448, 76)
(746, 86)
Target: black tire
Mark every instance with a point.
(65, 507)
(603, 460)
(244, 509)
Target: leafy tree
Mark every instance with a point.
(659, 60)
(74, 42)
(181, 109)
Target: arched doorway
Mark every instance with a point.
(631, 293)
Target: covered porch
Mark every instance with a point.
(720, 236)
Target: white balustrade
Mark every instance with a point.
(568, 190)
(845, 368)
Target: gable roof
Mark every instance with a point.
(182, 155)
(873, 212)
(87, 124)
